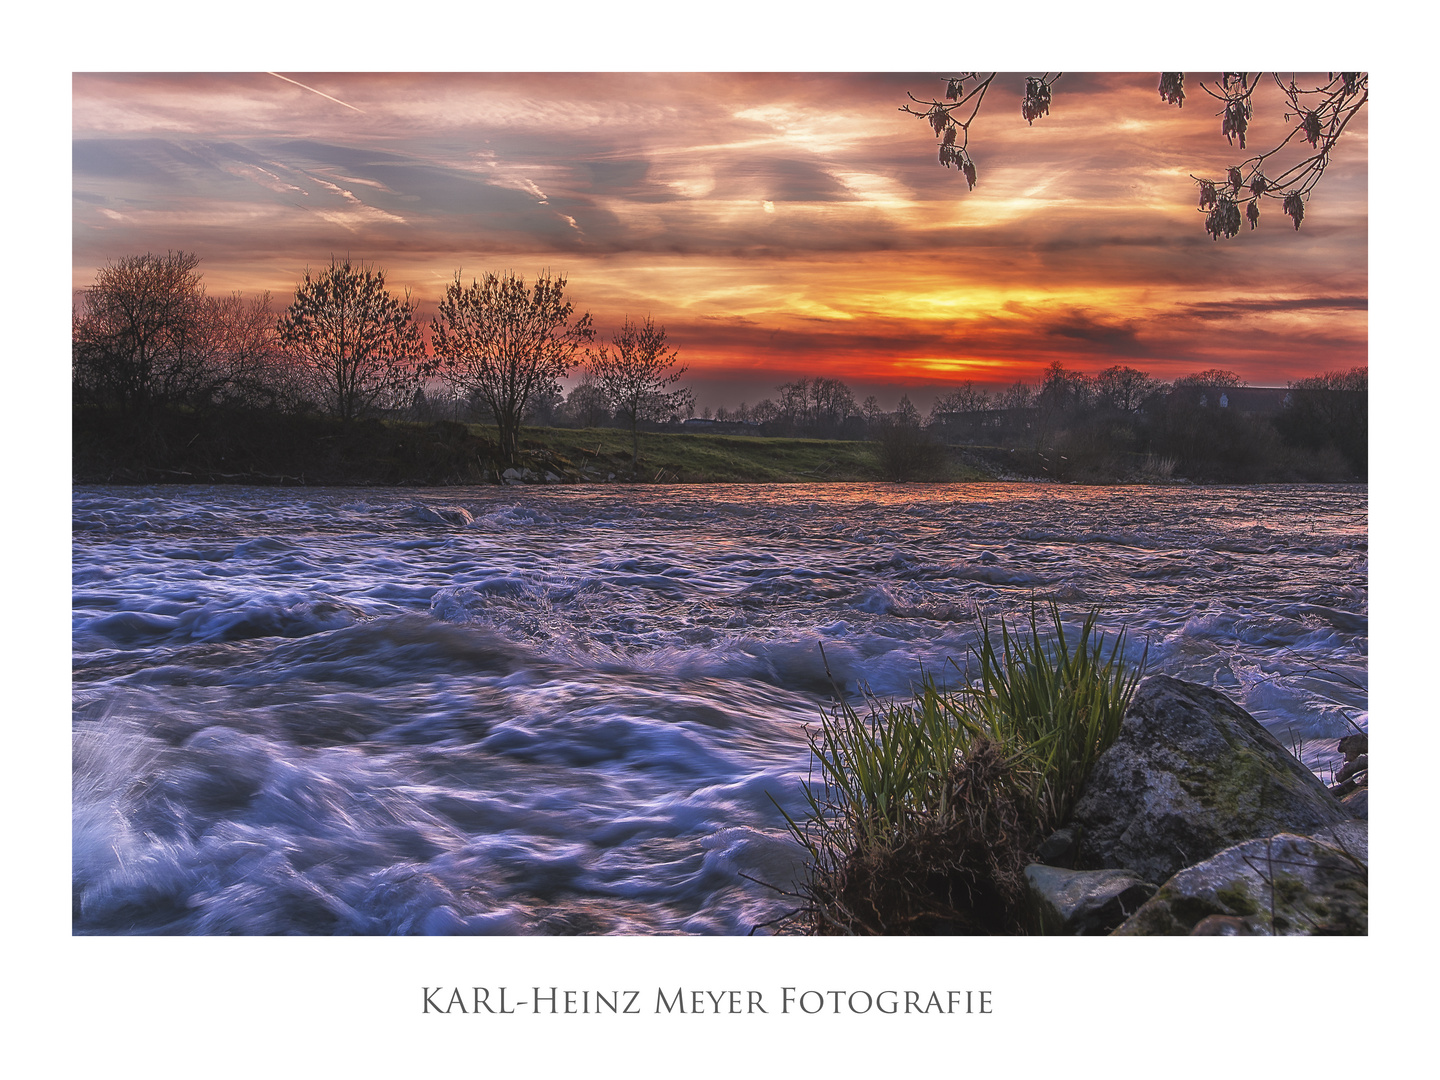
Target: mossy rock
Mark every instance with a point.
(1076, 902)
(1190, 775)
(1284, 885)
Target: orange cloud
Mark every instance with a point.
(776, 224)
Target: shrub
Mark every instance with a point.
(906, 451)
(928, 809)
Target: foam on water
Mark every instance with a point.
(575, 710)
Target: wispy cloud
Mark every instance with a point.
(312, 90)
(771, 222)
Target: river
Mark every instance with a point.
(573, 710)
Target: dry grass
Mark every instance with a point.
(927, 810)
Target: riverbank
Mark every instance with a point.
(269, 449)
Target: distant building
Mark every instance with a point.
(980, 425)
(1253, 400)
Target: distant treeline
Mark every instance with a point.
(1208, 426)
(149, 343)
(1119, 424)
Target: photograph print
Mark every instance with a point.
(756, 504)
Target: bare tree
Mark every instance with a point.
(963, 399)
(1064, 390)
(1018, 395)
(871, 411)
(146, 335)
(764, 411)
(1317, 115)
(358, 343)
(816, 407)
(247, 358)
(1210, 378)
(1124, 389)
(635, 378)
(139, 332)
(506, 344)
(1330, 409)
(585, 406)
(962, 413)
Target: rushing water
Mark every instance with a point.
(568, 710)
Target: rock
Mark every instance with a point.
(1352, 746)
(1355, 783)
(1352, 767)
(551, 478)
(1352, 837)
(1084, 901)
(512, 475)
(1221, 926)
(1058, 849)
(1191, 774)
(1285, 884)
(1357, 804)
(442, 515)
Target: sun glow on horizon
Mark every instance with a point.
(763, 228)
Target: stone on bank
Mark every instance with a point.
(1073, 902)
(1190, 775)
(1283, 885)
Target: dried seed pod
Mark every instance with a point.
(1037, 100)
(1295, 207)
(1223, 220)
(1236, 121)
(1172, 88)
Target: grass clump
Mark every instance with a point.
(928, 810)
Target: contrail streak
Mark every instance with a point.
(302, 86)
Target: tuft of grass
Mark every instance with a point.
(928, 809)
(1054, 705)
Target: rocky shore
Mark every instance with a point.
(1198, 821)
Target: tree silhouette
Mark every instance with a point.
(816, 407)
(145, 336)
(1123, 388)
(634, 378)
(139, 333)
(357, 342)
(1317, 115)
(507, 345)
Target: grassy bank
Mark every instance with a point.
(605, 454)
(266, 448)
(239, 447)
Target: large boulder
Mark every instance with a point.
(1351, 837)
(1357, 803)
(1083, 901)
(1277, 885)
(1191, 774)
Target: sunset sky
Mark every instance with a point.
(776, 224)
